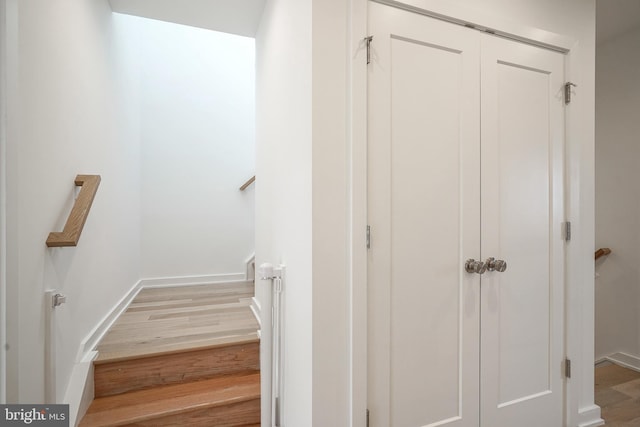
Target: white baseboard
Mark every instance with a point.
(590, 417)
(158, 282)
(624, 359)
(256, 310)
(79, 393)
(80, 390)
(89, 343)
(250, 268)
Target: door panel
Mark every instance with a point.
(466, 134)
(424, 214)
(522, 181)
(425, 172)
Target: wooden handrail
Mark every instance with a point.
(73, 228)
(248, 183)
(602, 252)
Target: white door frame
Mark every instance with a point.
(3, 198)
(580, 409)
(9, 328)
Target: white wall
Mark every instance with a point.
(3, 206)
(77, 80)
(198, 148)
(331, 214)
(617, 196)
(283, 192)
(310, 124)
(73, 108)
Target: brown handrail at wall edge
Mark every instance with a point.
(75, 223)
(248, 183)
(602, 252)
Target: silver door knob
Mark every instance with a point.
(498, 265)
(473, 266)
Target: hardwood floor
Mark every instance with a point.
(167, 320)
(224, 401)
(186, 355)
(617, 392)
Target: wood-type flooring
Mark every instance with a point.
(180, 356)
(170, 320)
(617, 392)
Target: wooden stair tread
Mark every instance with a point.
(109, 354)
(174, 319)
(143, 405)
(127, 375)
(191, 292)
(186, 355)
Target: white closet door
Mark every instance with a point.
(522, 213)
(424, 215)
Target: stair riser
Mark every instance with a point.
(142, 373)
(237, 414)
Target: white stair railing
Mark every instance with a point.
(276, 276)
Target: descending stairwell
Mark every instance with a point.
(183, 356)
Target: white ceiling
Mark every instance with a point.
(239, 17)
(616, 17)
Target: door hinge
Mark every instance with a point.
(368, 41)
(367, 418)
(368, 237)
(567, 368)
(567, 92)
(567, 231)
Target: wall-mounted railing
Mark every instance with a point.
(248, 183)
(602, 252)
(75, 223)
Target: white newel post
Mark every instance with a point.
(276, 277)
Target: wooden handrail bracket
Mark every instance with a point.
(73, 228)
(248, 183)
(602, 252)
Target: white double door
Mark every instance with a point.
(466, 141)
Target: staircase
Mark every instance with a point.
(183, 356)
